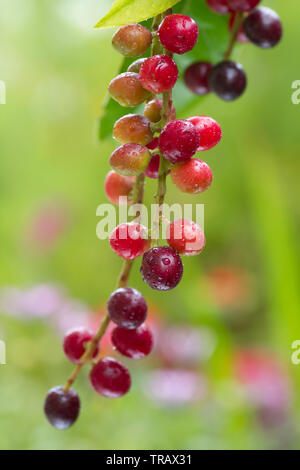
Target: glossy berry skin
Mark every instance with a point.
(153, 110)
(228, 80)
(127, 90)
(193, 176)
(62, 408)
(130, 159)
(133, 128)
(242, 5)
(263, 27)
(110, 378)
(218, 6)
(158, 74)
(133, 343)
(196, 77)
(209, 131)
(179, 141)
(132, 40)
(136, 65)
(116, 186)
(241, 36)
(129, 240)
(185, 237)
(127, 308)
(162, 268)
(74, 343)
(178, 33)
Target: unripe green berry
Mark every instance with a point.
(130, 159)
(136, 65)
(133, 128)
(127, 90)
(132, 40)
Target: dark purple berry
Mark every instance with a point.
(196, 77)
(263, 27)
(162, 268)
(228, 80)
(62, 408)
(127, 308)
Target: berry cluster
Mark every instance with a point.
(247, 22)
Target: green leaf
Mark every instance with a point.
(124, 12)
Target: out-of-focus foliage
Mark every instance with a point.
(237, 308)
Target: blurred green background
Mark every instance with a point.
(237, 308)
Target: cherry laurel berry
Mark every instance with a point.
(116, 186)
(135, 344)
(193, 176)
(130, 159)
(185, 237)
(153, 109)
(129, 240)
(132, 40)
(263, 27)
(62, 408)
(127, 308)
(196, 77)
(127, 90)
(228, 80)
(133, 128)
(178, 33)
(75, 341)
(110, 378)
(242, 5)
(210, 132)
(179, 141)
(162, 268)
(158, 74)
(219, 6)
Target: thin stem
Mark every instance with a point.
(235, 31)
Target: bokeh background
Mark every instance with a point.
(221, 375)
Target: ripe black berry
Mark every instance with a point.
(228, 80)
(62, 408)
(263, 27)
(127, 308)
(162, 268)
(196, 77)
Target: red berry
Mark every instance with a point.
(228, 80)
(158, 74)
(110, 378)
(132, 40)
(242, 5)
(178, 33)
(130, 159)
(196, 77)
(129, 240)
(153, 167)
(127, 308)
(75, 341)
(179, 141)
(133, 128)
(193, 176)
(162, 268)
(263, 27)
(241, 37)
(209, 131)
(133, 343)
(153, 110)
(127, 90)
(219, 6)
(62, 408)
(116, 186)
(185, 237)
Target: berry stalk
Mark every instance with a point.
(238, 21)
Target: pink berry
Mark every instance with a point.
(162, 268)
(185, 237)
(209, 131)
(219, 6)
(116, 186)
(75, 341)
(196, 77)
(193, 176)
(179, 141)
(127, 308)
(110, 378)
(242, 5)
(158, 74)
(129, 240)
(133, 343)
(178, 33)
